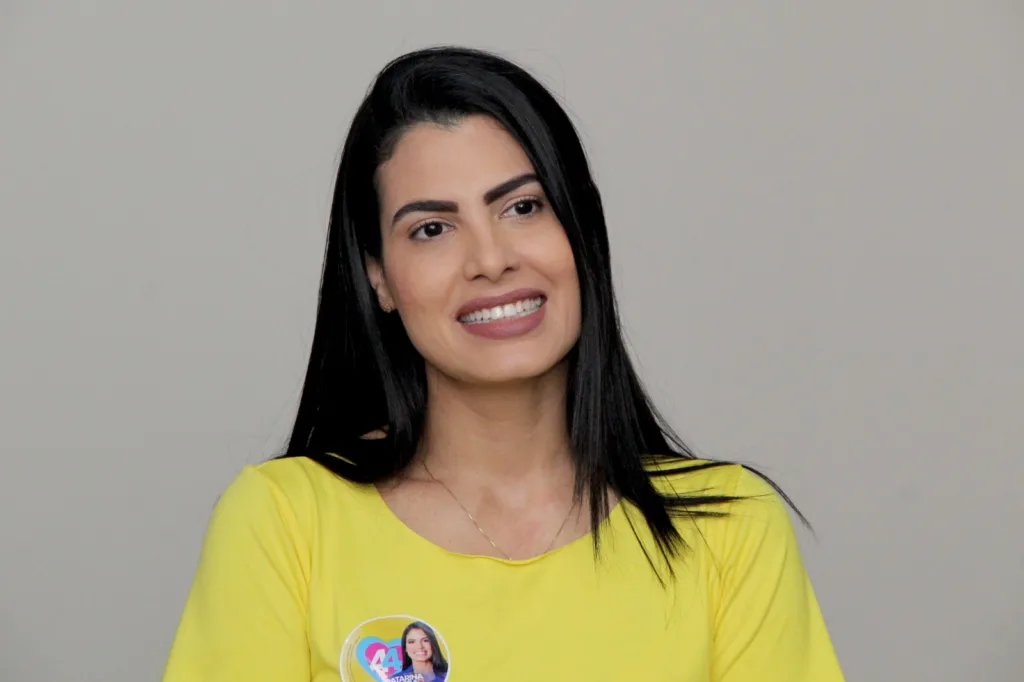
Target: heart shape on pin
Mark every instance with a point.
(373, 650)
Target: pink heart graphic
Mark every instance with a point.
(372, 651)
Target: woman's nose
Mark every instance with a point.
(490, 253)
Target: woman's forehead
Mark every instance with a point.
(455, 163)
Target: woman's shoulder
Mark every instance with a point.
(747, 501)
(296, 487)
(299, 475)
(703, 476)
(687, 476)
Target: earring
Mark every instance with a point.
(385, 307)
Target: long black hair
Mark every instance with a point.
(437, 659)
(364, 374)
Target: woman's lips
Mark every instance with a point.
(507, 327)
(500, 300)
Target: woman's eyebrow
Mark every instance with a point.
(492, 195)
(440, 206)
(425, 205)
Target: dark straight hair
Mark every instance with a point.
(364, 374)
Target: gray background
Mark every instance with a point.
(816, 218)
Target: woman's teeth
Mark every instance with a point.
(503, 312)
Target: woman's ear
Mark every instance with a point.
(375, 271)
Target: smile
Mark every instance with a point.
(509, 311)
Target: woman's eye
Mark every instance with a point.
(428, 231)
(523, 208)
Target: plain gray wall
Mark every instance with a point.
(816, 216)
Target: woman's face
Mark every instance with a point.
(418, 647)
(474, 259)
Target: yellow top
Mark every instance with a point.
(306, 577)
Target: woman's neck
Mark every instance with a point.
(497, 434)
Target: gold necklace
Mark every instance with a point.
(487, 537)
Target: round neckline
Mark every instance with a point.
(378, 500)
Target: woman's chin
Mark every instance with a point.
(509, 373)
(498, 369)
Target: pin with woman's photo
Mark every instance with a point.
(394, 649)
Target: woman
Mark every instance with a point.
(421, 655)
(473, 446)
